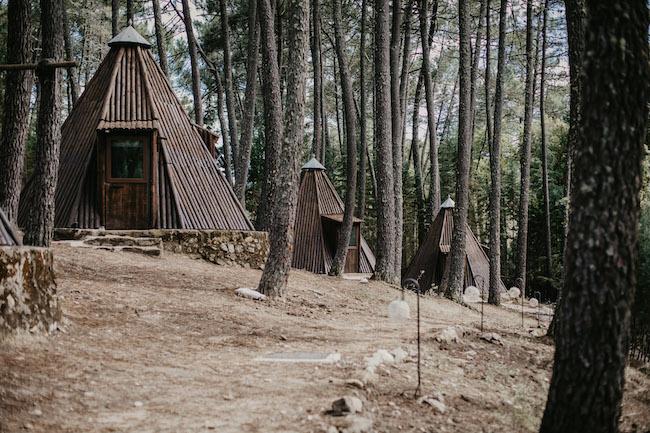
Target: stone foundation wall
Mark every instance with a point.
(223, 247)
(248, 249)
(28, 298)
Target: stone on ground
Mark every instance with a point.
(348, 404)
(246, 292)
(449, 334)
(514, 292)
(399, 310)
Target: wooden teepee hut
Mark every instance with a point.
(433, 254)
(318, 219)
(131, 158)
(7, 234)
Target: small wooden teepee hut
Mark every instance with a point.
(319, 216)
(433, 254)
(8, 236)
(131, 158)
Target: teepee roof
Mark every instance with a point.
(7, 235)
(318, 199)
(431, 257)
(129, 92)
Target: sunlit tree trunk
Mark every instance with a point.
(363, 145)
(160, 36)
(115, 17)
(233, 130)
(317, 139)
(194, 64)
(601, 259)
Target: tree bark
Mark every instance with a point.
(601, 257)
(417, 168)
(522, 232)
(338, 264)
(115, 17)
(317, 140)
(285, 185)
(71, 72)
(547, 206)
(129, 12)
(475, 60)
(385, 266)
(434, 189)
(363, 145)
(230, 93)
(495, 164)
(250, 95)
(160, 38)
(39, 226)
(575, 16)
(396, 131)
(488, 74)
(453, 286)
(194, 63)
(18, 89)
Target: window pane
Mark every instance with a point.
(127, 159)
(354, 235)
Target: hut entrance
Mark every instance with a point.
(331, 227)
(126, 181)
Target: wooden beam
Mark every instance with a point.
(41, 64)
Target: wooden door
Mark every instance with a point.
(352, 259)
(126, 183)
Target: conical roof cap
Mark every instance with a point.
(313, 164)
(129, 36)
(449, 203)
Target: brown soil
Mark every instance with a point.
(164, 345)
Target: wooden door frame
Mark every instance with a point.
(149, 139)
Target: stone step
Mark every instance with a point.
(146, 250)
(123, 241)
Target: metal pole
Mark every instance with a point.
(415, 285)
(539, 304)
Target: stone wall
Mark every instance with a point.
(248, 249)
(28, 298)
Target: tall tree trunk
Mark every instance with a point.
(488, 74)
(18, 89)
(434, 189)
(406, 64)
(194, 63)
(317, 140)
(601, 259)
(336, 109)
(522, 233)
(285, 184)
(495, 164)
(39, 226)
(161, 45)
(129, 12)
(385, 266)
(363, 145)
(338, 264)
(417, 168)
(547, 205)
(71, 72)
(115, 17)
(250, 95)
(575, 16)
(396, 131)
(476, 56)
(230, 92)
(453, 286)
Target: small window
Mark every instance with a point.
(127, 159)
(354, 235)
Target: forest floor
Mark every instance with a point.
(164, 345)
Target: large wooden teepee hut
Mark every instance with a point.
(319, 216)
(432, 257)
(131, 158)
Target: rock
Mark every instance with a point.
(250, 294)
(363, 281)
(10, 302)
(399, 310)
(448, 335)
(224, 247)
(399, 354)
(514, 292)
(473, 292)
(36, 412)
(138, 404)
(346, 405)
(492, 337)
(355, 383)
(352, 424)
(533, 302)
(436, 404)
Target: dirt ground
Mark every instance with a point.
(164, 345)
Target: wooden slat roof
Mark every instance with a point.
(7, 235)
(129, 91)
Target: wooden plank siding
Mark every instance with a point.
(318, 200)
(431, 256)
(129, 94)
(7, 235)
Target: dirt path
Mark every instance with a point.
(164, 345)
